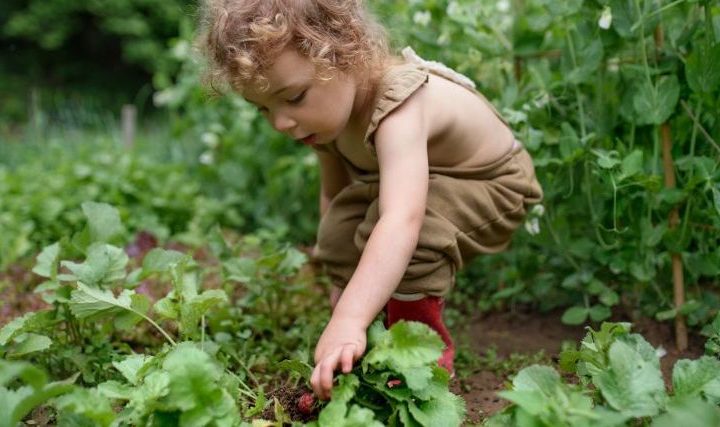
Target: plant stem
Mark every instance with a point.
(699, 125)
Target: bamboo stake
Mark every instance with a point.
(681, 335)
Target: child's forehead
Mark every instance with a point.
(288, 69)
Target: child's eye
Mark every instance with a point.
(298, 98)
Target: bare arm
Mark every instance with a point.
(333, 178)
(401, 143)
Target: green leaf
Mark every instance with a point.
(194, 308)
(29, 322)
(632, 383)
(47, 262)
(703, 73)
(161, 260)
(408, 348)
(105, 264)
(30, 343)
(296, 366)
(87, 403)
(443, 410)
(599, 312)
(689, 412)
(654, 103)
(103, 221)
(575, 315)
(632, 165)
(16, 404)
(194, 387)
(697, 377)
(131, 366)
(607, 159)
(115, 390)
(91, 303)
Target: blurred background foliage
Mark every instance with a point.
(588, 86)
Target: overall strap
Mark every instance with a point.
(442, 70)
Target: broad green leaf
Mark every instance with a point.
(127, 320)
(599, 312)
(408, 348)
(696, 377)
(161, 260)
(29, 343)
(703, 73)
(632, 165)
(654, 103)
(29, 322)
(130, 366)
(443, 410)
(632, 383)
(17, 403)
(9, 371)
(47, 262)
(105, 264)
(575, 315)
(103, 221)
(194, 308)
(346, 388)
(167, 307)
(195, 388)
(91, 303)
(537, 378)
(689, 412)
(115, 390)
(89, 404)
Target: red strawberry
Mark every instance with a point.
(306, 403)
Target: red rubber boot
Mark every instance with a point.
(428, 311)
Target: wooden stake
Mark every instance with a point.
(681, 335)
(129, 124)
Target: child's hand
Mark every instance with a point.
(341, 344)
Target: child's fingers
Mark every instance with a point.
(346, 358)
(322, 376)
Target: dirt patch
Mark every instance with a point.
(509, 334)
(289, 399)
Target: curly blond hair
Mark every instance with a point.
(241, 38)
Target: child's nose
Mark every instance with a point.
(283, 123)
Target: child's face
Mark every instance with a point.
(310, 110)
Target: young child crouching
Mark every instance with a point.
(419, 173)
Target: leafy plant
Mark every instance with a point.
(620, 384)
(397, 383)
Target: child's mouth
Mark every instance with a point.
(308, 140)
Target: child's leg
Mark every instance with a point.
(428, 310)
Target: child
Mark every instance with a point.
(419, 173)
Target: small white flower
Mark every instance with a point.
(606, 18)
(503, 5)
(422, 18)
(613, 65)
(532, 226)
(207, 158)
(210, 139)
(542, 100)
(660, 352)
(538, 210)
